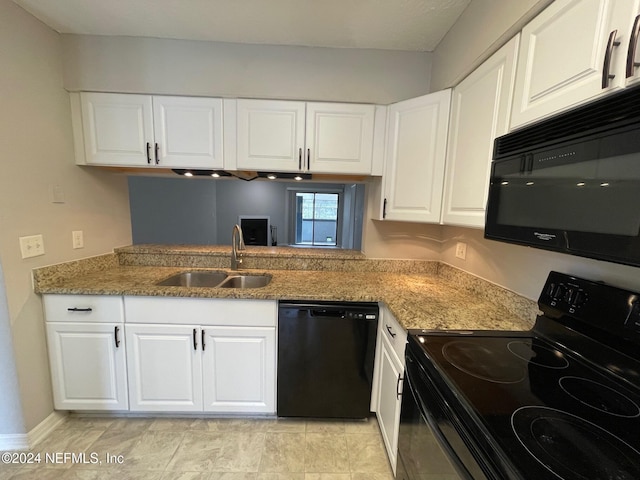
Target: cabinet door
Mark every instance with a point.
(416, 147)
(562, 56)
(270, 135)
(480, 110)
(165, 368)
(88, 367)
(389, 400)
(188, 132)
(339, 138)
(118, 129)
(239, 369)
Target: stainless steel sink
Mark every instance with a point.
(246, 281)
(214, 279)
(194, 279)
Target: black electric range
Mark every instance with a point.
(559, 401)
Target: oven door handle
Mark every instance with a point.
(432, 422)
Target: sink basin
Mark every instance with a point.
(246, 281)
(194, 279)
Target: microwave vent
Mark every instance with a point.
(613, 111)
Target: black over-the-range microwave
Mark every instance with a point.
(571, 183)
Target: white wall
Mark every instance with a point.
(152, 65)
(524, 269)
(36, 152)
(481, 29)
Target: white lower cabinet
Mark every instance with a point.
(239, 369)
(389, 374)
(194, 355)
(164, 368)
(170, 355)
(85, 338)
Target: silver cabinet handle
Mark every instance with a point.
(606, 76)
(398, 392)
(631, 52)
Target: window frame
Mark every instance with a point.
(291, 215)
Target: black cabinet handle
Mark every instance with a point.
(606, 76)
(384, 209)
(202, 340)
(115, 336)
(195, 341)
(308, 159)
(299, 158)
(631, 52)
(393, 335)
(76, 309)
(398, 392)
(157, 157)
(148, 153)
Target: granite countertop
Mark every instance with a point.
(417, 300)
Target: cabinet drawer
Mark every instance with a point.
(394, 333)
(83, 308)
(201, 311)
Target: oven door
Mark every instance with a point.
(428, 444)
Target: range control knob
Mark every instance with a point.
(580, 298)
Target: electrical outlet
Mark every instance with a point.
(461, 250)
(31, 246)
(77, 239)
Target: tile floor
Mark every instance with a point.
(210, 449)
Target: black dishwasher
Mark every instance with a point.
(325, 358)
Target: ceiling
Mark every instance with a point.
(414, 25)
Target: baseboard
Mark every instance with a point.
(45, 427)
(14, 441)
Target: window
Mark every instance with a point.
(316, 216)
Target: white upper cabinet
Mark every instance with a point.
(339, 137)
(291, 136)
(573, 51)
(480, 109)
(188, 132)
(118, 129)
(270, 135)
(146, 131)
(415, 158)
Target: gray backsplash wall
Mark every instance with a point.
(202, 211)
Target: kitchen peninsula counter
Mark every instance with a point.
(420, 294)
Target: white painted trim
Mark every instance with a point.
(14, 441)
(45, 427)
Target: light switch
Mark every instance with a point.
(32, 246)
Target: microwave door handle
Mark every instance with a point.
(530, 163)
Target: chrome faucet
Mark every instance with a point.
(237, 245)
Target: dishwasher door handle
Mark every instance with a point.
(321, 312)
